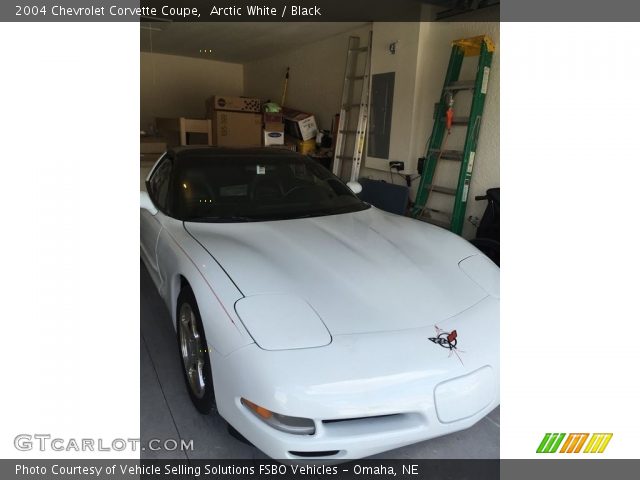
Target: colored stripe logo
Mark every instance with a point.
(574, 442)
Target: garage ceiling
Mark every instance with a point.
(234, 42)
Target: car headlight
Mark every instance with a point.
(284, 423)
(280, 321)
(484, 272)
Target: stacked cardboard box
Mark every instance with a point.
(185, 131)
(301, 129)
(236, 121)
(298, 124)
(273, 133)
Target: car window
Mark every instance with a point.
(255, 188)
(159, 184)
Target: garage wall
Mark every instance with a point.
(413, 107)
(316, 76)
(420, 64)
(404, 63)
(174, 86)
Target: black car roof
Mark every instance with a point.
(185, 153)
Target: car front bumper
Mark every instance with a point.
(366, 393)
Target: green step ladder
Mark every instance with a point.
(483, 48)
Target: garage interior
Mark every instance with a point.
(186, 67)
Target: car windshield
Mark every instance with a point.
(240, 188)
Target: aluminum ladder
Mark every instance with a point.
(483, 48)
(354, 109)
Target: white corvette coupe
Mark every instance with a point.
(316, 324)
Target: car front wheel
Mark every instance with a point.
(194, 352)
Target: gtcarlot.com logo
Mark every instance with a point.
(574, 443)
(45, 442)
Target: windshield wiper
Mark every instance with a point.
(330, 211)
(221, 219)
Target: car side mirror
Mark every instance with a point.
(147, 204)
(355, 187)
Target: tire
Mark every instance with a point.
(194, 352)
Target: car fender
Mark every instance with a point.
(180, 256)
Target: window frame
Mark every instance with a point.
(179, 167)
(166, 208)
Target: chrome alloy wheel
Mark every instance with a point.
(192, 350)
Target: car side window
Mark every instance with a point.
(159, 184)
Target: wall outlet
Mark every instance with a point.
(397, 165)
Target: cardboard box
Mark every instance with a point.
(237, 129)
(299, 124)
(273, 138)
(273, 122)
(185, 131)
(274, 127)
(269, 117)
(233, 104)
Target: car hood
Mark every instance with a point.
(368, 271)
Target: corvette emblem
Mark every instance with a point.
(448, 340)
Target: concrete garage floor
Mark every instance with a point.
(166, 411)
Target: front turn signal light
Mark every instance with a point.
(257, 409)
(284, 423)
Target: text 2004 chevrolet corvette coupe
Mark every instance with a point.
(319, 326)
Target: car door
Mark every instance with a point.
(151, 225)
